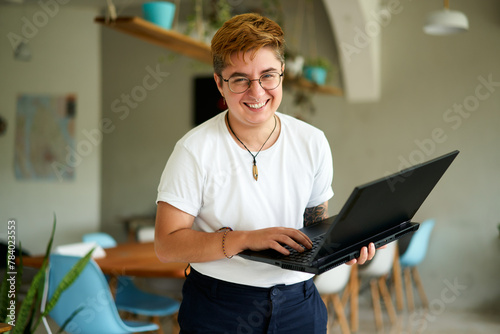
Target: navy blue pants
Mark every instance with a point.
(211, 306)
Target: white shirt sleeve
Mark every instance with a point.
(181, 183)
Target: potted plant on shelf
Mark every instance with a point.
(28, 318)
(317, 70)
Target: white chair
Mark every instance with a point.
(329, 285)
(377, 270)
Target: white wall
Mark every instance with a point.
(66, 59)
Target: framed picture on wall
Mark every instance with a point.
(45, 144)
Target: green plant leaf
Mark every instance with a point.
(51, 240)
(4, 299)
(38, 301)
(25, 313)
(319, 62)
(74, 314)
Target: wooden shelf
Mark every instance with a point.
(304, 84)
(190, 47)
(155, 34)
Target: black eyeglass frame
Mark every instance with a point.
(250, 82)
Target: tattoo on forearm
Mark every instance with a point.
(315, 214)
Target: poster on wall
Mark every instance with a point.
(45, 137)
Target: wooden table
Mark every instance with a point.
(129, 259)
(5, 327)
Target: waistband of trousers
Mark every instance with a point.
(212, 283)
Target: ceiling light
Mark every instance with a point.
(446, 21)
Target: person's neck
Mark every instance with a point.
(254, 136)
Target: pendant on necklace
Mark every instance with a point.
(255, 171)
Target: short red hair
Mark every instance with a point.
(243, 33)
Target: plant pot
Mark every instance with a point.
(315, 74)
(160, 13)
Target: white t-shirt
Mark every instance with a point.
(209, 176)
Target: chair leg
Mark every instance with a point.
(387, 299)
(409, 289)
(420, 288)
(398, 285)
(377, 312)
(346, 294)
(354, 288)
(329, 301)
(339, 309)
(175, 324)
(326, 298)
(156, 320)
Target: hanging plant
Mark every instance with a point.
(318, 70)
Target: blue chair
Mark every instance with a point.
(102, 239)
(129, 298)
(91, 292)
(411, 258)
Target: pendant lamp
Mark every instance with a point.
(446, 21)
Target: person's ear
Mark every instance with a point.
(219, 82)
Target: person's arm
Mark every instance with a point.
(176, 241)
(315, 214)
(320, 212)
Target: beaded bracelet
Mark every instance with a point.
(226, 231)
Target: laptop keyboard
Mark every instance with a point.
(307, 255)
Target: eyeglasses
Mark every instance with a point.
(267, 81)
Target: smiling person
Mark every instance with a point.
(248, 178)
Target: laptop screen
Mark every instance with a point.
(387, 202)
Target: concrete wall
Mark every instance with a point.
(66, 52)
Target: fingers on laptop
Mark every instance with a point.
(366, 254)
(292, 238)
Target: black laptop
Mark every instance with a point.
(378, 212)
